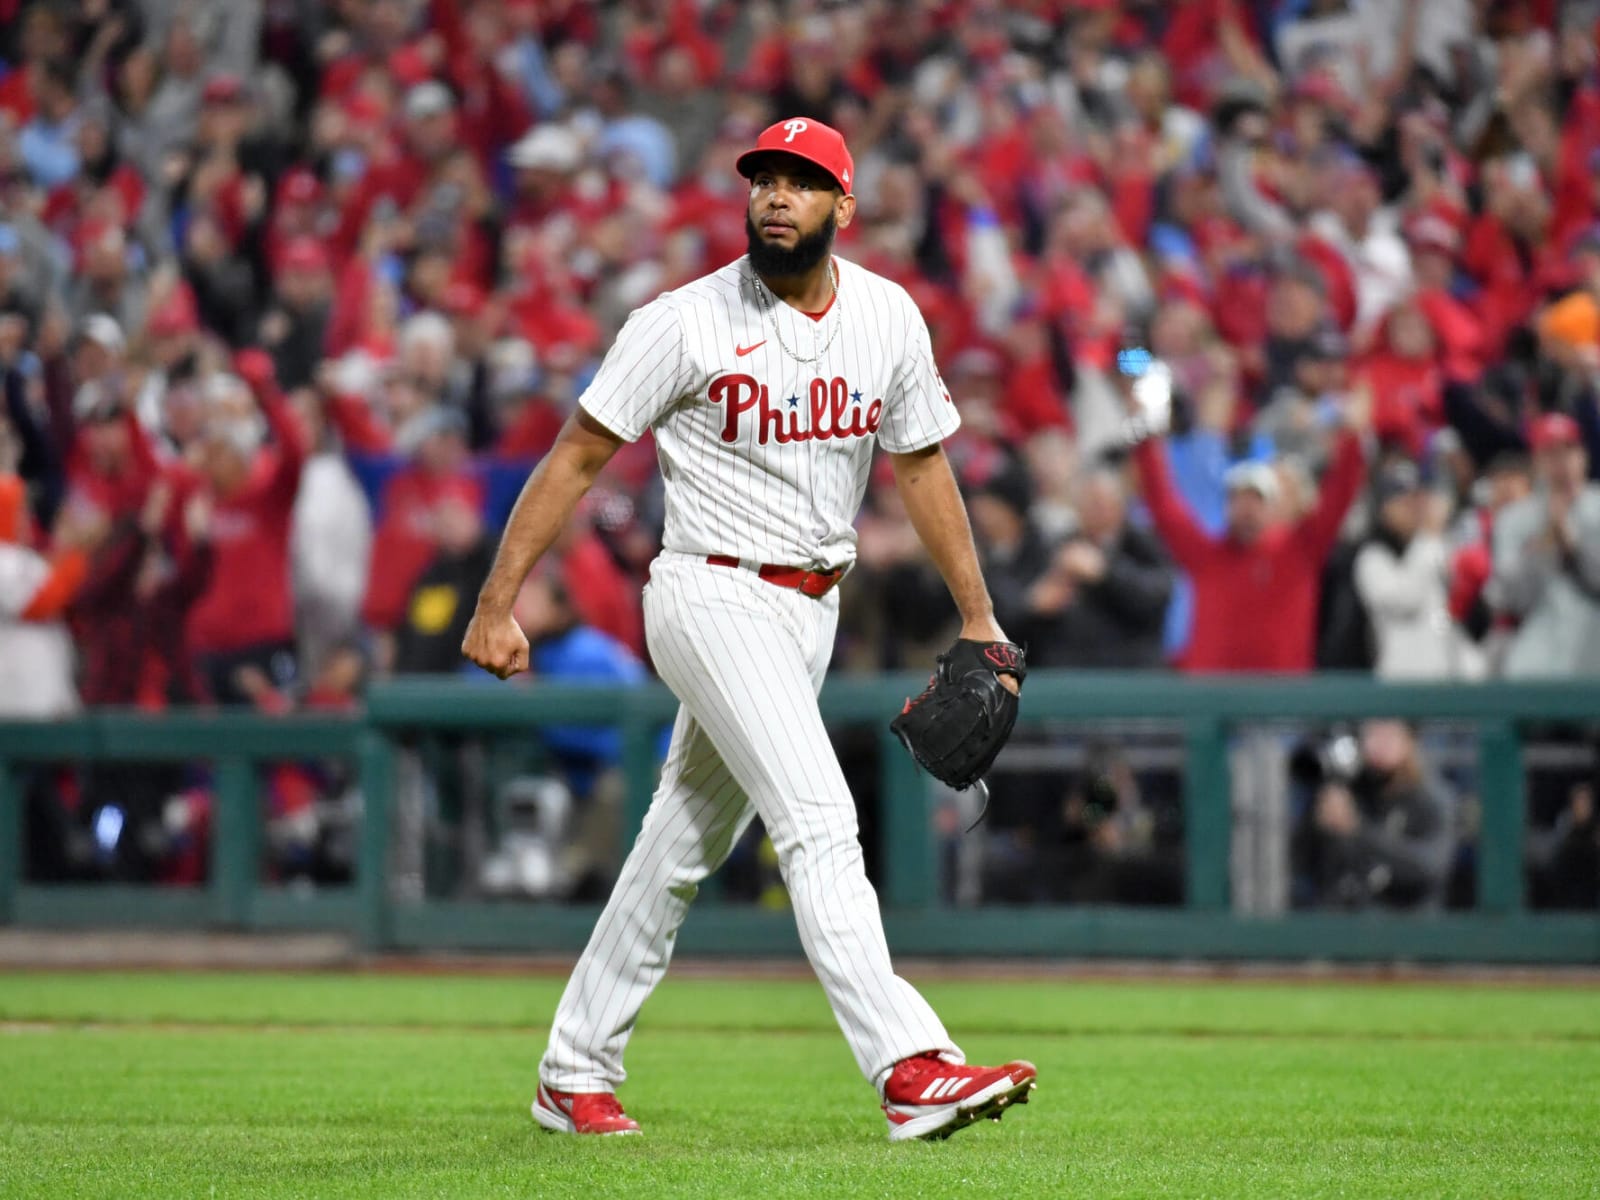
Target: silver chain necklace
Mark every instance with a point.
(771, 302)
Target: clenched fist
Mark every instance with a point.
(497, 644)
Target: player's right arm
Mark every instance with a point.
(643, 374)
(494, 640)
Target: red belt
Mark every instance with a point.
(808, 583)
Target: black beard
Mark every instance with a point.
(774, 262)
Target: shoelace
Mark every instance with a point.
(925, 1069)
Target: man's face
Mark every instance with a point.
(1563, 467)
(1507, 487)
(433, 137)
(1402, 515)
(92, 360)
(793, 211)
(1100, 507)
(1248, 515)
(106, 441)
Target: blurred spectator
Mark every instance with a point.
(1507, 480)
(242, 625)
(563, 649)
(428, 641)
(131, 615)
(1547, 560)
(1255, 585)
(295, 328)
(1564, 859)
(330, 543)
(1102, 600)
(406, 534)
(1382, 834)
(1400, 576)
(36, 678)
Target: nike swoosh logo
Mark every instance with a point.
(741, 351)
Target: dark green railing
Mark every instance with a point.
(1206, 709)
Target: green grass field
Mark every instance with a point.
(177, 1085)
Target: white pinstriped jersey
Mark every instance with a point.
(766, 458)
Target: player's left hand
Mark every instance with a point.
(988, 630)
(497, 644)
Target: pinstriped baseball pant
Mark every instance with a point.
(746, 659)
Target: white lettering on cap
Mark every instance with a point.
(795, 126)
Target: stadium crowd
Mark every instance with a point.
(292, 294)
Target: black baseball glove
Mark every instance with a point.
(957, 726)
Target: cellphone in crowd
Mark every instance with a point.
(1134, 361)
(1151, 385)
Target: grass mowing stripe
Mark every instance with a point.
(116, 1112)
(46, 1025)
(1014, 1008)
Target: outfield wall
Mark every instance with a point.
(1208, 710)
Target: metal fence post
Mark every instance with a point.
(910, 874)
(236, 842)
(1501, 788)
(10, 841)
(375, 755)
(1207, 815)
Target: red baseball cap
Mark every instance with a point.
(1554, 429)
(304, 254)
(299, 186)
(804, 138)
(177, 314)
(463, 298)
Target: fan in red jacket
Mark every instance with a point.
(404, 542)
(1256, 584)
(245, 616)
(1403, 374)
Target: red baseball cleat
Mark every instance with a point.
(581, 1112)
(926, 1097)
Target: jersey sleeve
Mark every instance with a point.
(918, 411)
(643, 374)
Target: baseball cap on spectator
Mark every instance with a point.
(1554, 429)
(1573, 320)
(547, 148)
(1429, 231)
(1320, 87)
(819, 144)
(1398, 479)
(94, 402)
(304, 254)
(1328, 344)
(463, 298)
(223, 89)
(363, 110)
(408, 66)
(1286, 264)
(432, 421)
(1010, 486)
(1257, 477)
(978, 360)
(430, 99)
(103, 330)
(299, 186)
(175, 315)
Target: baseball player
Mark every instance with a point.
(766, 384)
